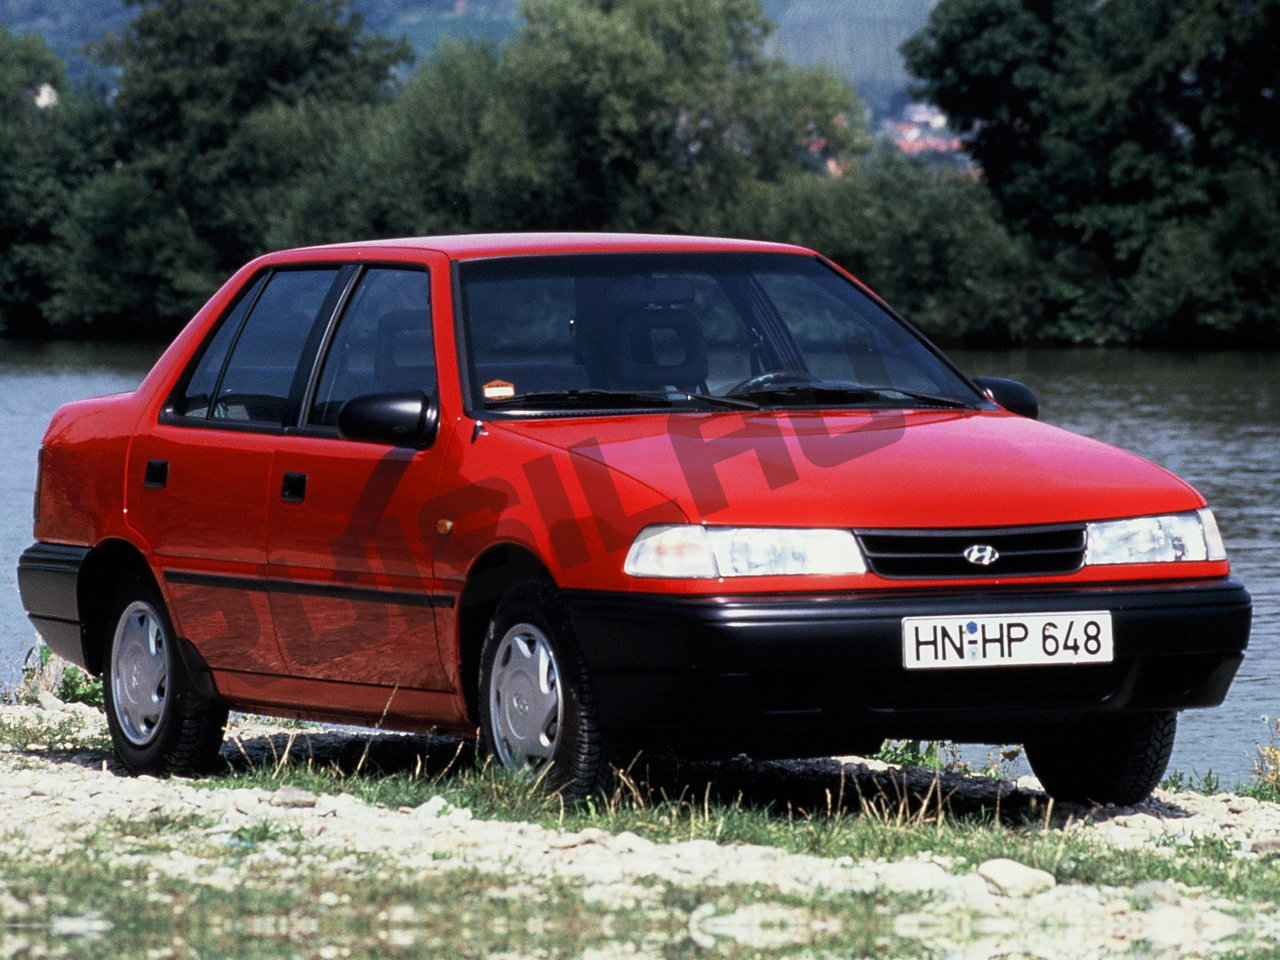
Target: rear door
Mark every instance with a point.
(198, 482)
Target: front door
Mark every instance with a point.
(352, 594)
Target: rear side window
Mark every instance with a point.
(250, 365)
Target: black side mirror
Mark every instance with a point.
(1013, 396)
(397, 419)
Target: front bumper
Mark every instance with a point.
(754, 673)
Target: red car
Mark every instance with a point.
(594, 493)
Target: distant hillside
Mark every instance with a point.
(427, 22)
(67, 26)
(859, 39)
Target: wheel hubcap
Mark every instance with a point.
(139, 673)
(525, 699)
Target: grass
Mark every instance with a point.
(1266, 765)
(280, 896)
(884, 819)
(42, 670)
(891, 816)
(1206, 783)
(263, 893)
(51, 733)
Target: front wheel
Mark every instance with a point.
(536, 712)
(1118, 761)
(159, 723)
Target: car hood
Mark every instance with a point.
(891, 469)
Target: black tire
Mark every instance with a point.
(159, 723)
(1119, 761)
(536, 711)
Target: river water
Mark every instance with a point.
(1214, 419)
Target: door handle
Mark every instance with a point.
(293, 489)
(156, 474)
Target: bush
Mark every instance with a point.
(928, 240)
(43, 670)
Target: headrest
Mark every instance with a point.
(404, 355)
(659, 347)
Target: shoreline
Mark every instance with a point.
(211, 836)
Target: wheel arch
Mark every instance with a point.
(106, 566)
(494, 573)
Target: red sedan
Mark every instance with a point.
(586, 494)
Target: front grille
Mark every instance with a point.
(940, 554)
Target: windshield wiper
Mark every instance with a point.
(837, 393)
(930, 399)
(734, 403)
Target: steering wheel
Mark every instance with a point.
(771, 378)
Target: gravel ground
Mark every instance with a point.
(997, 908)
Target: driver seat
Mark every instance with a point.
(658, 349)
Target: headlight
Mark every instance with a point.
(1164, 539)
(690, 550)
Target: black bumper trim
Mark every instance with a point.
(749, 668)
(48, 578)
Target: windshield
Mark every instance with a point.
(604, 332)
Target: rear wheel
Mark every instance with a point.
(1119, 761)
(159, 723)
(536, 712)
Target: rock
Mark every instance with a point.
(1269, 847)
(49, 702)
(1157, 891)
(914, 877)
(292, 798)
(567, 841)
(628, 842)
(433, 809)
(1008, 878)
(85, 712)
(760, 926)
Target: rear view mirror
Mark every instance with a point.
(398, 419)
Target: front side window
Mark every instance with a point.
(382, 345)
(607, 331)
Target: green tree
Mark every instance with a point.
(644, 114)
(396, 169)
(1137, 143)
(48, 133)
(598, 114)
(181, 206)
(929, 240)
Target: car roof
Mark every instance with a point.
(474, 245)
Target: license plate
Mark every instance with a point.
(1006, 640)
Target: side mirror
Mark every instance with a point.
(1013, 396)
(398, 419)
